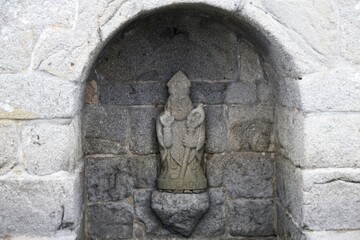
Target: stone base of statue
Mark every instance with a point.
(181, 186)
(180, 213)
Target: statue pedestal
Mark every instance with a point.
(180, 212)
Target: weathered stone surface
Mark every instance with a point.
(250, 66)
(143, 133)
(133, 93)
(106, 122)
(289, 54)
(40, 205)
(144, 170)
(241, 93)
(331, 199)
(37, 95)
(216, 129)
(169, 42)
(266, 91)
(114, 178)
(333, 235)
(179, 212)
(138, 231)
(66, 53)
(248, 175)
(180, 131)
(110, 221)
(22, 24)
(332, 140)
(243, 174)
(109, 179)
(250, 128)
(251, 217)
(285, 226)
(208, 92)
(334, 90)
(213, 223)
(289, 93)
(320, 16)
(215, 168)
(349, 30)
(289, 186)
(153, 225)
(100, 146)
(52, 146)
(8, 146)
(289, 131)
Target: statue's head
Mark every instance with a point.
(179, 84)
(179, 103)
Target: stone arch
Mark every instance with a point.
(288, 61)
(93, 31)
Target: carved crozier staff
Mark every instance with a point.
(195, 118)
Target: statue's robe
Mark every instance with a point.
(172, 157)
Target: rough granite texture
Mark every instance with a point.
(110, 221)
(8, 136)
(180, 212)
(243, 57)
(53, 203)
(256, 215)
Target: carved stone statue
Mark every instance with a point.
(181, 133)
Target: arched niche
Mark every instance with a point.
(234, 72)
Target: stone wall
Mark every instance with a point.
(47, 51)
(127, 92)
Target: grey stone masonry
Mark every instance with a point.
(144, 93)
(52, 202)
(169, 42)
(213, 223)
(216, 129)
(241, 93)
(51, 146)
(37, 95)
(243, 174)
(114, 178)
(208, 93)
(256, 215)
(143, 134)
(289, 189)
(108, 179)
(244, 58)
(180, 213)
(286, 227)
(250, 128)
(105, 122)
(144, 213)
(331, 198)
(8, 148)
(110, 221)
